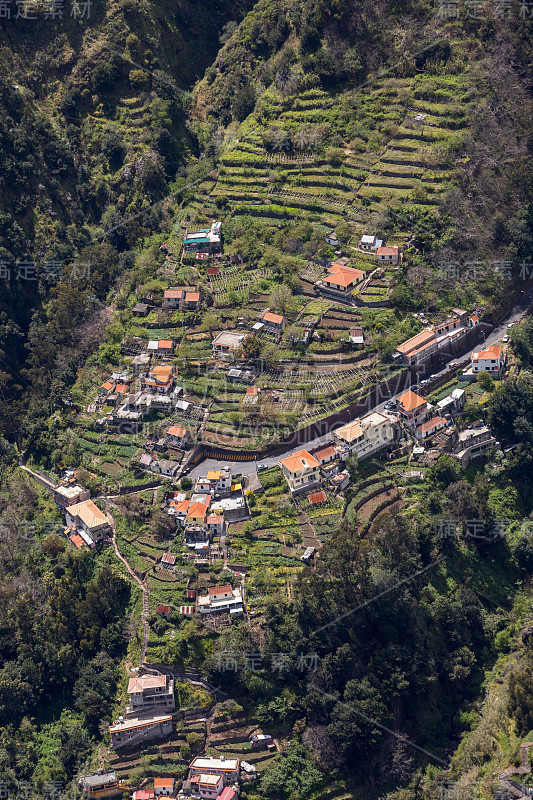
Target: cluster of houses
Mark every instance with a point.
(209, 778)
(86, 525)
(411, 414)
(216, 500)
(445, 339)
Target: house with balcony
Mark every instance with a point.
(86, 520)
(229, 768)
(136, 732)
(160, 379)
(365, 436)
(226, 343)
(150, 694)
(221, 599)
(301, 471)
(70, 494)
(412, 409)
(217, 481)
(491, 360)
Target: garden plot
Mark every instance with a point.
(303, 197)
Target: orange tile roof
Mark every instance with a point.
(344, 276)
(220, 590)
(192, 297)
(107, 385)
(162, 372)
(252, 391)
(173, 294)
(165, 343)
(494, 351)
(387, 251)
(163, 783)
(197, 510)
(175, 430)
(215, 519)
(317, 497)
(77, 540)
(182, 507)
(421, 339)
(325, 452)
(300, 460)
(430, 424)
(121, 388)
(269, 317)
(409, 401)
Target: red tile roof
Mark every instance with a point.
(409, 401)
(162, 609)
(317, 497)
(220, 590)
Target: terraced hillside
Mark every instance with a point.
(416, 124)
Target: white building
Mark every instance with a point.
(370, 243)
(209, 765)
(221, 599)
(301, 471)
(365, 436)
(490, 360)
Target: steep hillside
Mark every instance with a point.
(92, 133)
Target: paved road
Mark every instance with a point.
(250, 467)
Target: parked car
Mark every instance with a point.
(505, 339)
(262, 466)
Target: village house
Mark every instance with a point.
(430, 428)
(197, 514)
(210, 765)
(205, 240)
(159, 379)
(168, 561)
(273, 323)
(102, 785)
(341, 279)
(134, 732)
(87, 521)
(216, 524)
(140, 363)
(491, 359)
(185, 298)
(251, 396)
(164, 787)
(106, 388)
(453, 403)
(150, 694)
(325, 454)
(388, 255)
(167, 468)
(418, 348)
(164, 610)
(370, 244)
(301, 471)
(412, 409)
(69, 495)
(365, 435)
(178, 435)
(226, 344)
(215, 482)
(356, 337)
(331, 238)
(473, 443)
(143, 794)
(221, 599)
(140, 310)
